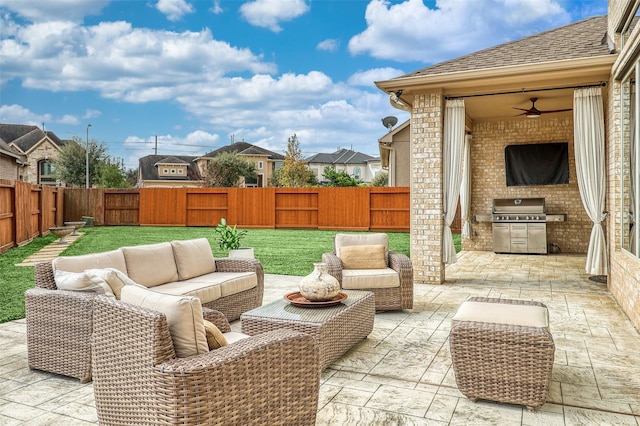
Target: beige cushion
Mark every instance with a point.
(234, 336)
(115, 278)
(193, 258)
(108, 259)
(151, 264)
(356, 279)
(215, 338)
(378, 238)
(210, 287)
(502, 313)
(363, 257)
(81, 281)
(184, 317)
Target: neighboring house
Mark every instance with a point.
(395, 154)
(267, 162)
(161, 171)
(356, 164)
(495, 85)
(12, 164)
(37, 147)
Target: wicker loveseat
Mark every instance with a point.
(269, 379)
(372, 267)
(59, 322)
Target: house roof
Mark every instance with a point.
(245, 148)
(342, 156)
(579, 40)
(5, 149)
(149, 171)
(25, 137)
(172, 160)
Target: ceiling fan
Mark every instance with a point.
(534, 112)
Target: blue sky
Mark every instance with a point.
(197, 73)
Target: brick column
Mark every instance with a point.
(426, 188)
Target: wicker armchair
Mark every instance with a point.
(387, 298)
(268, 379)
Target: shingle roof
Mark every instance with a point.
(7, 150)
(149, 171)
(245, 148)
(26, 136)
(342, 156)
(172, 160)
(582, 39)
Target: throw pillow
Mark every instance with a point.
(115, 278)
(193, 258)
(184, 317)
(215, 338)
(363, 257)
(81, 281)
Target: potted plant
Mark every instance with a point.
(229, 239)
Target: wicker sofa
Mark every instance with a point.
(60, 322)
(269, 379)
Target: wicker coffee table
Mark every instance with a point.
(336, 328)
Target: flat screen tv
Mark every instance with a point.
(537, 164)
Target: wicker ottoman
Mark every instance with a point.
(502, 350)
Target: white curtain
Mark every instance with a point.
(465, 188)
(453, 141)
(588, 122)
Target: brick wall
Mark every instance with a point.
(426, 189)
(8, 168)
(488, 179)
(45, 150)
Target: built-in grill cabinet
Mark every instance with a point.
(519, 225)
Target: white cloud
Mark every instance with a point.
(16, 114)
(216, 8)
(120, 62)
(91, 113)
(174, 9)
(368, 77)
(412, 31)
(58, 10)
(328, 45)
(69, 119)
(269, 13)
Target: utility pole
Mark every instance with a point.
(87, 157)
(156, 150)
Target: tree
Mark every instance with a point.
(340, 178)
(70, 165)
(111, 174)
(381, 179)
(226, 169)
(131, 175)
(294, 172)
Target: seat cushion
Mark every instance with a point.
(193, 258)
(184, 317)
(210, 287)
(151, 264)
(363, 257)
(108, 259)
(502, 313)
(355, 279)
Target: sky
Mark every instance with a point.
(196, 75)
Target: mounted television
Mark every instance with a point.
(537, 164)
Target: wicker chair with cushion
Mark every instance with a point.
(364, 262)
(267, 379)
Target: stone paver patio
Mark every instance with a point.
(401, 374)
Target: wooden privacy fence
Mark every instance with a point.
(357, 208)
(28, 211)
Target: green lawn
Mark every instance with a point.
(281, 251)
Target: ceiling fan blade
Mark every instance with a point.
(521, 109)
(555, 110)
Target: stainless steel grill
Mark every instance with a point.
(519, 225)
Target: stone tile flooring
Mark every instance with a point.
(401, 374)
